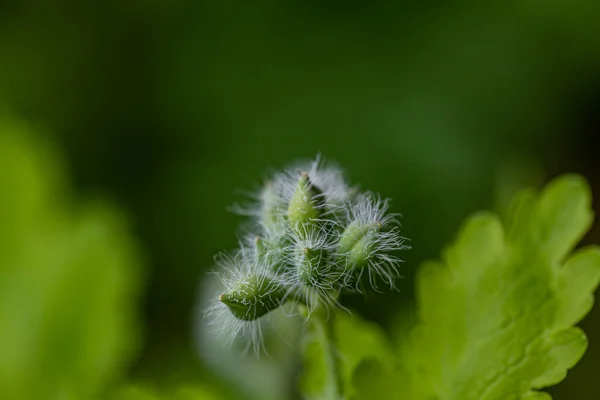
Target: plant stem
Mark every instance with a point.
(324, 330)
(334, 355)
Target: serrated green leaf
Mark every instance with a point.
(496, 314)
(536, 396)
(68, 280)
(576, 282)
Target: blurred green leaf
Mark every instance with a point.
(374, 379)
(357, 340)
(368, 364)
(69, 277)
(136, 392)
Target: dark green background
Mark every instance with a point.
(171, 107)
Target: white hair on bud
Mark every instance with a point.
(243, 266)
(226, 324)
(261, 204)
(380, 244)
(381, 262)
(328, 179)
(275, 195)
(370, 208)
(309, 236)
(321, 287)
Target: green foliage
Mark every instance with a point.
(497, 312)
(495, 315)
(357, 339)
(68, 280)
(134, 392)
(158, 104)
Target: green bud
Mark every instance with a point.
(252, 298)
(309, 263)
(303, 207)
(354, 233)
(359, 253)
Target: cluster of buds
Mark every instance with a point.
(313, 238)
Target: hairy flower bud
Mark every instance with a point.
(313, 238)
(354, 234)
(362, 250)
(309, 263)
(253, 297)
(370, 241)
(313, 273)
(304, 208)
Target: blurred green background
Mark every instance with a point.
(171, 110)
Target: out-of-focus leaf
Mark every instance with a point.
(357, 340)
(68, 280)
(374, 379)
(136, 392)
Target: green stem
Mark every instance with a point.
(333, 362)
(322, 366)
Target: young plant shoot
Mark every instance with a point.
(314, 237)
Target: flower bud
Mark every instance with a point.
(310, 255)
(355, 233)
(253, 297)
(370, 241)
(309, 263)
(374, 255)
(303, 208)
(361, 251)
(317, 238)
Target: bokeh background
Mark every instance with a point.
(170, 110)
